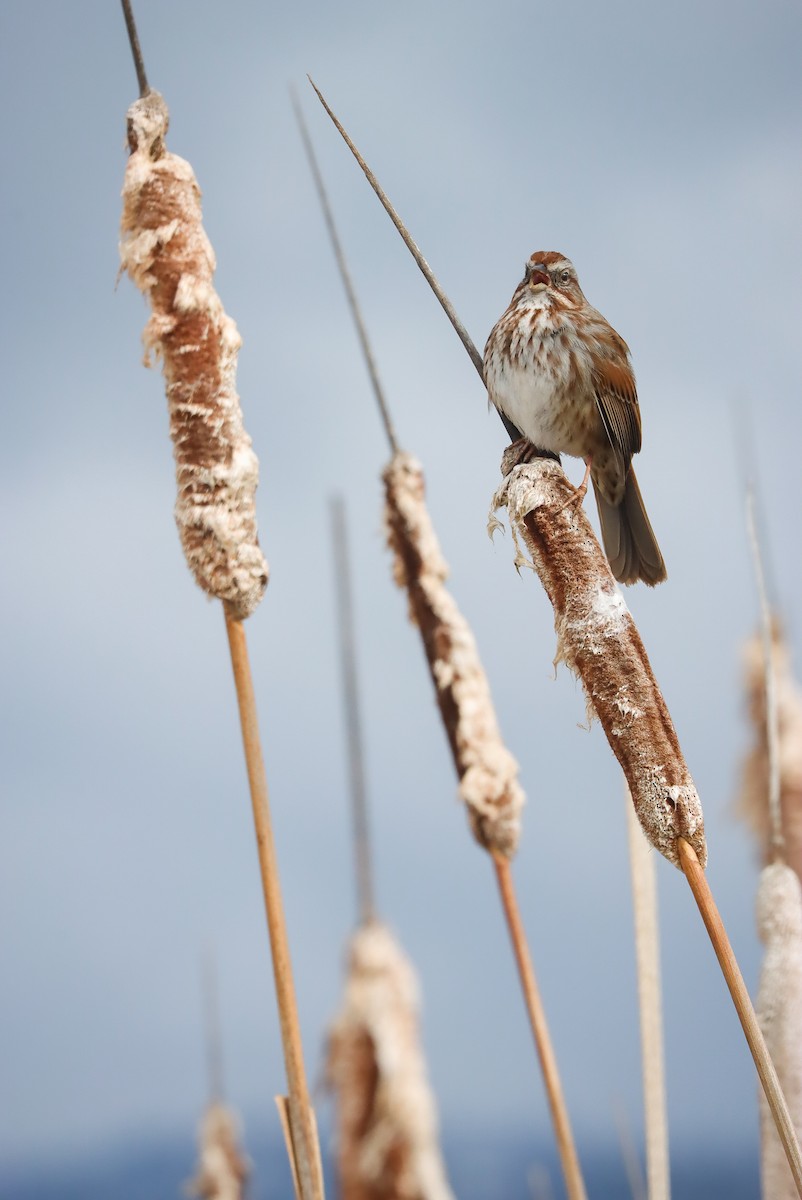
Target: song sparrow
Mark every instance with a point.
(560, 376)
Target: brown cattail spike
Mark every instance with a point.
(753, 802)
(387, 1142)
(223, 1169)
(165, 250)
(598, 640)
(488, 773)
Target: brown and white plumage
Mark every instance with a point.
(560, 375)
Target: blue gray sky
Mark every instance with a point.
(658, 146)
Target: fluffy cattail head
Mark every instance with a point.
(488, 773)
(222, 1169)
(167, 254)
(387, 1125)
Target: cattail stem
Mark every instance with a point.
(302, 1127)
(356, 758)
(136, 49)
(214, 1039)
(770, 668)
(572, 1172)
(647, 954)
(743, 1006)
(409, 242)
(345, 275)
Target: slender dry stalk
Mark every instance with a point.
(743, 1006)
(353, 719)
(223, 1168)
(598, 638)
(647, 954)
(165, 250)
(305, 1149)
(409, 242)
(574, 1183)
(213, 1038)
(486, 770)
(387, 1147)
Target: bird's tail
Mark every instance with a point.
(628, 537)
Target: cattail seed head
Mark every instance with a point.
(387, 1140)
(488, 773)
(222, 1168)
(597, 639)
(753, 803)
(165, 250)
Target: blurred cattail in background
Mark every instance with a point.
(752, 803)
(387, 1147)
(771, 803)
(222, 1167)
(387, 1142)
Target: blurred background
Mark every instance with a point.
(658, 146)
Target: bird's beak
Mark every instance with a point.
(538, 277)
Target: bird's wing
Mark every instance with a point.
(617, 402)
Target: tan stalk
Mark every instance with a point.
(743, 1006)
(574, 1183)
(302, 1123)
(165, 250)
(598, 639)
(770, 689)
(486, 770)
(353, 721)
(647, 953)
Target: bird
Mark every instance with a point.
(562, 381)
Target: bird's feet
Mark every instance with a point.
(579, 493)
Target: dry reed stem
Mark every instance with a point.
(574, 1183)
(223, 1168)
(165, 250)
(647, 954)
(779, 1009)
(487, 772)
(387, 1123)
(598, 640)
(766, 1070)
(753, 800)
(301, 1118)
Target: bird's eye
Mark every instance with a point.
(565, 276)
